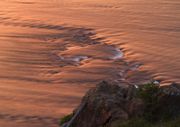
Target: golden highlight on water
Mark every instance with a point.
(53, 51)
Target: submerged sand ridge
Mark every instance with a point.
(61, 51)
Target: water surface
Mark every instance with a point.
(53, 51)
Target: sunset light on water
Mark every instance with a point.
(53, 51)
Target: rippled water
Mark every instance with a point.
(52, 51)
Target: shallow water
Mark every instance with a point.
(52, 51)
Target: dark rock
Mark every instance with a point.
(110, 103)
(134, 107)
(104, 104)
(172, 89)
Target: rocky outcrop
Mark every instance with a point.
(105, 103)
(173, 89)
(109, 103)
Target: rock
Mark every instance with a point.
(111, 103)
(104, 104)
(173, 89)
(134, 107)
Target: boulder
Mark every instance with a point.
(109, 104)
(104, 104)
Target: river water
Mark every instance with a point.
(52, 51)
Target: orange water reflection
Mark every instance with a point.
(52, 51)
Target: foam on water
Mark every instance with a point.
(117, 55)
